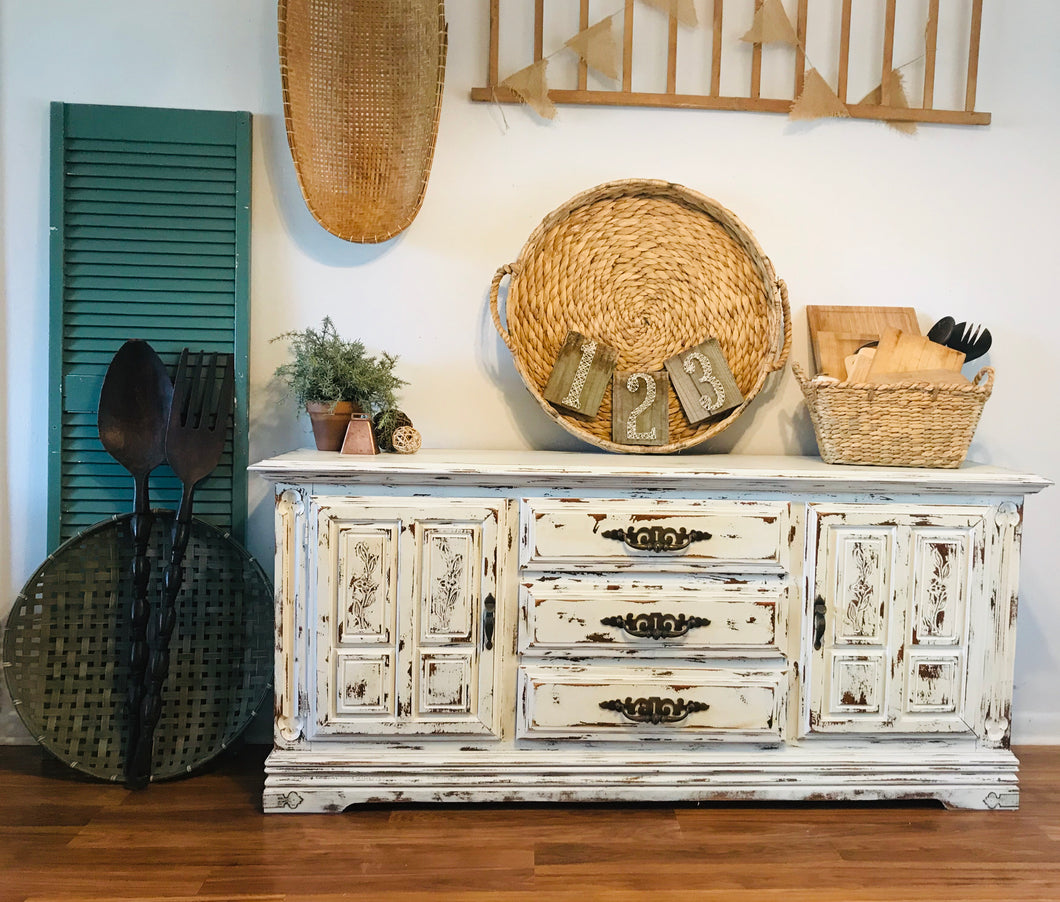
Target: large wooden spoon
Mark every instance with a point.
(133, 417)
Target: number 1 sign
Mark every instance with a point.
(580, 375)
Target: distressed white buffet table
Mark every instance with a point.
(538, 626)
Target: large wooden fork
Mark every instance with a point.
(203, 392)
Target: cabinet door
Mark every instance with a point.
(892, 595)
(406, 616)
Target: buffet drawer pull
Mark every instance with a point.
(819, 611)
(656, 625)
(653, 709)
(656, 539)
(489, 621)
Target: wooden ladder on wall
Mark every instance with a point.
(753, 101)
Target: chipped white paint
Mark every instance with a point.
(568, 703)
(396, 615)
(569, 535)
(898, 585)
(618, 673)
(564, 618)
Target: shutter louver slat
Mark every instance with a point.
(152, 150)
(152, 244)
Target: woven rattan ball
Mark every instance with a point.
(406, 440)
(651, 269)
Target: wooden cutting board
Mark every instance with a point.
(902, 353)
(837, 332)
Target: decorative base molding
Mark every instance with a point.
(315, 782)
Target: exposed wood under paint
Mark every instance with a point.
(852, 640)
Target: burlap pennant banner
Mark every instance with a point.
(896, 99)
(531, 84)
(818, 100)
(772, 25)
(682, 10)
(598, 48)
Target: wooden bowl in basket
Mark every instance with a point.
(651, 269)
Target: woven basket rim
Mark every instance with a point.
(982, 383)
(878, 424)
(776, 314)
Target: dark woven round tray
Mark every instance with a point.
(66, 648)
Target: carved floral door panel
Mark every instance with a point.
(891, 600)
(405, 616)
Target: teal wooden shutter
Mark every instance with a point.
(150, 238)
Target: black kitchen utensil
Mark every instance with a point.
(203, 391)
(970, 339)
(66, 648)
(132, 419)
(941, 331)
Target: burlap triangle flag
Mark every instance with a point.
(817, 100)
(531, 84)
(682, 10)
(598, 48)
(771, 25)
(896, 99)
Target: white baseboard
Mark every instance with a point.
(1030, 728)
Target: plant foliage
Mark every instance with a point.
(327, 368)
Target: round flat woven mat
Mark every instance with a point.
(66, 648)
(650, 269)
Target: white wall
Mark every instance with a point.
(954, 220)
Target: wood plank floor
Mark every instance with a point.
(64, 838)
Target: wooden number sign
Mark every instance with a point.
(580, 375)
(703, 381)
(640, 409)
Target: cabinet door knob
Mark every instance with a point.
(653, 709)
(655, 624)
(656, 539)
(489, 621)
(819, 608)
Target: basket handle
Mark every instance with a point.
(781, 355)
(507, 269)
(984, 378)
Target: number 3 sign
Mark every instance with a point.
(703, 382)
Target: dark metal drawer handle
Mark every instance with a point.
(656, 625)
(653, 709)
(819, 611)
(489, 621)
(656, 538)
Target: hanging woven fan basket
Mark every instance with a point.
(650, 269)
(362, 92)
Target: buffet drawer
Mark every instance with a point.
(657, 535)
(571, 616)
(610, 703)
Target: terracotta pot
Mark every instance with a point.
(330, 420)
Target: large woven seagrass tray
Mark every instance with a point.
(362, 92)
(651, 269)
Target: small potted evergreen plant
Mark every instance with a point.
(335, 379)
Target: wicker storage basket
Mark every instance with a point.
(651, 269)
(362, 91)
(907, 424)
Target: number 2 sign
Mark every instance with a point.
(640, 408)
